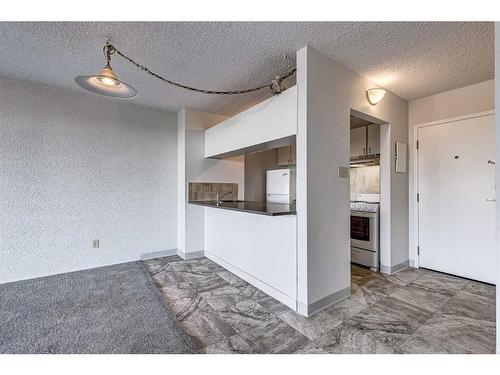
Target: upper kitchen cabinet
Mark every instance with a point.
(365, 141)
(269, 124)
(358, 142)
(373, 139)
(286, 155)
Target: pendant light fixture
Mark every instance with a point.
(106, 82)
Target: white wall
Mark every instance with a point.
(327, 92)
(467, 100)
(194, 167)
(259, 248)
(74, 168)
(497, 171)
(463, 101)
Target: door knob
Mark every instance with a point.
(491, 200)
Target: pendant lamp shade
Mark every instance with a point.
(106, 83)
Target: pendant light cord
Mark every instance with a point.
(276, 86)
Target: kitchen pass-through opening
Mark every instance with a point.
(365, 190)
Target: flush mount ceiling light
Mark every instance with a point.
(106, 82)
(375, 95)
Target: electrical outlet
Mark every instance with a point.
(343, 172)
(95, 244)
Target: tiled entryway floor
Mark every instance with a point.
(412, 311)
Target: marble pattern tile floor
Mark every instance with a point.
(412, 311)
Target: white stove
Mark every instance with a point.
(365, 230)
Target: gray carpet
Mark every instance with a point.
(114, 309)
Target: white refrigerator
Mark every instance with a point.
(280, 186)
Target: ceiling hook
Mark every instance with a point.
(108, 50)
(276, 86)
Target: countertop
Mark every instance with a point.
(261, 208)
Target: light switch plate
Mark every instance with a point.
(343, 172)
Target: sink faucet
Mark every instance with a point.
(220, 196)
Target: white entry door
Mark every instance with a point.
(456, 191)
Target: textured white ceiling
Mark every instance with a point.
(410, 59)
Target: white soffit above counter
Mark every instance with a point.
(270, 120)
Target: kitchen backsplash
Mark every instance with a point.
(365, 180)
(207, 191)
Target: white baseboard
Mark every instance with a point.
(283, 298)
(312, 308)
(158, 254)
(190, 255)
(389, 270)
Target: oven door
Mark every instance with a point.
(364, 230)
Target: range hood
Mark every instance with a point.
(365, 161)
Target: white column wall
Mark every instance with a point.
(327, 91)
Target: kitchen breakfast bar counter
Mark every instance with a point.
(262, 208)
(255, 241)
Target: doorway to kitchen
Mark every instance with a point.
(365, 192)
(368, 166)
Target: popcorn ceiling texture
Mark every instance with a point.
(74, 168)
(411, 59)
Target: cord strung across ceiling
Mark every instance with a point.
(106, 82)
